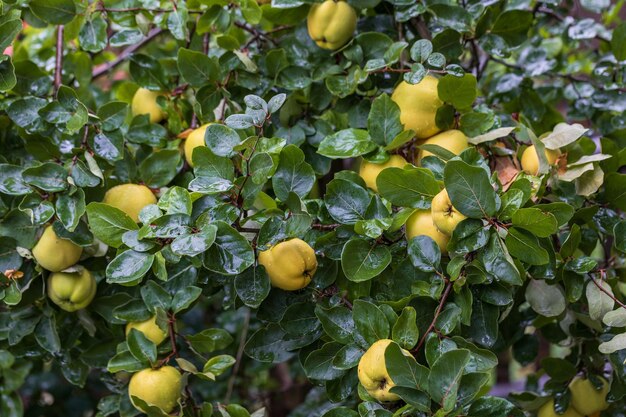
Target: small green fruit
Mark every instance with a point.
(55, 254)
(158, 387)
(72, 291)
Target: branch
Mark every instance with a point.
(58, 64)
(612, 296)
(442, 302)
(242, 344)
(103, 69)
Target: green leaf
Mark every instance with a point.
(599, 296)
(484, 323)
(513, 25)
(346, 201)
(158, 169)
(362, 260)
(421, 50)
(445, 377)
(231, 253)
(619, 231)
(11, 180)
(93, 35)
(405, 331)
(7, 75)
(142, 348)
(547, 300)
(319, 364)
(458, 91)
(615, 190)
(56, 12)
(293, 174)
(469, 189)
(8, 31)
(404, 369)
(424, 253)
(370, 321)
(184, 298)
(252, 286)
(498, 261)
(48, 177)
(525, 246)
(109, 223)
(337, 323)
(539, 223)
(618, 42)
(125, 361)
(340, 412)
(299, 319)
(70, 208)
(196, 243)
(412, 187)
(347, 143)
(383, 121)
(221, 140)
(491, 407)
(196, 68)
(128, 267)
(217, 365)
(46, 334)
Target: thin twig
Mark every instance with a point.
(612, 296)
(242, 344)
(442, 302)
(103, 69)
(58, 64)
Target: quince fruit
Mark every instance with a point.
(72, 291)
(420, 223)
(331, 23)
(55, 254)
(130, 198)
(530, 159)
(445, 216)
(149, 328)
(372, 372)
(158, 387)
(418, 106)
(290, 264)
(369, 171)
(145, 102)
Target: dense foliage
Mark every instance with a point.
(102, 93)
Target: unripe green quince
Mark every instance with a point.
(331, 23)
(157, 387)
(55, 254)
(72, 291)
(130, 198)
(547, 410)
(149, 328)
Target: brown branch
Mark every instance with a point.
(242, 344)
(442, 302)
(612, 296)
(319, 226)
(103, 69)
(58, 64)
